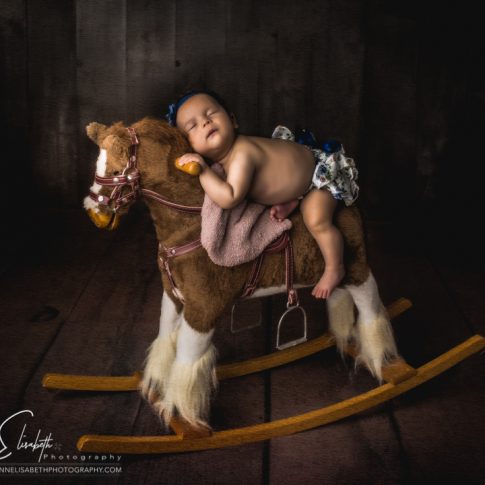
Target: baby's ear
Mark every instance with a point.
(234, 120)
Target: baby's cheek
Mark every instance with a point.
(192, 140)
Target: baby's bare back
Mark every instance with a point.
(283, 169)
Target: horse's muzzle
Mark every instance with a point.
(108, 221)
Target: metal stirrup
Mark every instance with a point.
(297, 341)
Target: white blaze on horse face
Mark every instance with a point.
(95, 188)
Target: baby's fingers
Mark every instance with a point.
(185, 159)
(188, 164)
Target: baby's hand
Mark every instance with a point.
(191, 163)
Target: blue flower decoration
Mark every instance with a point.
(306, 137)
(331, 146)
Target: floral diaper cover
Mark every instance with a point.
(333, 171)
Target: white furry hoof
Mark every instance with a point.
(188, 390)
(161, 355)
(375, 344)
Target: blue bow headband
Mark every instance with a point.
(171, 116)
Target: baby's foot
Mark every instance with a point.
(331, 277)
(280, 211)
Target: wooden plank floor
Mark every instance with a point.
(87, 301)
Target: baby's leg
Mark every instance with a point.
(317, 209)
(281, 211)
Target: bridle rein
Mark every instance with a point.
(130, 177)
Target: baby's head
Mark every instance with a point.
(204, 117)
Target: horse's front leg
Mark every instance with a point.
(192, 377)
(161, 352)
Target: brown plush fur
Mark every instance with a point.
(208, 289)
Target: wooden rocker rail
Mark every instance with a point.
(399, 377)
(393, 373)
(281, 427)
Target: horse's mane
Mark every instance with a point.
(161, 130)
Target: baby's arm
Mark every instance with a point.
(229, 193)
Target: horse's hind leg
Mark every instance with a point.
(341, 318)
(161, 352)
(373, 333)
(192, 377)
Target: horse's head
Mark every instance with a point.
(129, 157)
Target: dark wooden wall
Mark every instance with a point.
(401, 83)
(398, 82)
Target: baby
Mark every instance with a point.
(270, 171)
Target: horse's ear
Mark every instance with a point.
(95, 131)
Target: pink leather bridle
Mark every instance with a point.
(130, 177)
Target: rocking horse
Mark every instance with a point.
(180, 372)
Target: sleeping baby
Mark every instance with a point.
(273, 171)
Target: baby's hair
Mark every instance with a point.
(173, 108)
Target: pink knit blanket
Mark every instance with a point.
(238, 235)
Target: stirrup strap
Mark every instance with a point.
(283, 242)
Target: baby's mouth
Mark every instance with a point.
(211, 132)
